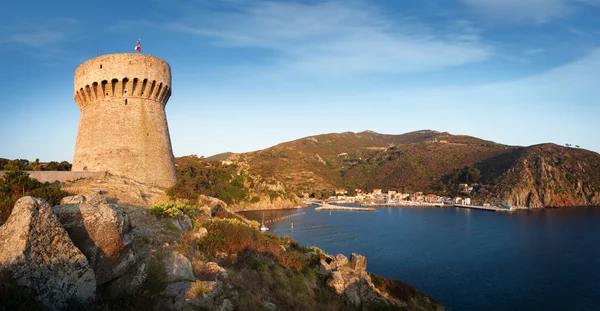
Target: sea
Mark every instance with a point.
(465, 259)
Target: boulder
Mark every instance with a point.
(40, 256)
(270, 306)
(341, 260)
(178, 268)
(100, 232)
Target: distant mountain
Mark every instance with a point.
(220, 156)
(429, 161)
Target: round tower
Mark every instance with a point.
(123, 126)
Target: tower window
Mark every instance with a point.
(100, 66)
(126, 102)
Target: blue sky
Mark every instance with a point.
(248, 74)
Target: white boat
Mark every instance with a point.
(263, 228)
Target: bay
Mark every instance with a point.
(466, 259)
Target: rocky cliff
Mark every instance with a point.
(549, 175)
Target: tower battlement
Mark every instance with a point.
(123, 127)
(123, 75)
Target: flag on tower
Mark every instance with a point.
(138, 46)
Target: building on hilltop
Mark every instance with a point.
(123, 126)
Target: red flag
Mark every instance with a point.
(138, 46)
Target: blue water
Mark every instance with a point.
(467, 259)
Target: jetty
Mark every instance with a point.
(502, 209)
(327, 207)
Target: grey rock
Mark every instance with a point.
(129, 282)
(227, 305)
(39, 254)
(270, 306)
(324, 268)
(185, 222)
(175, 223)
(179, 268)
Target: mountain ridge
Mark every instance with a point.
(423, 161)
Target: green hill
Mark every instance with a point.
(429, 161)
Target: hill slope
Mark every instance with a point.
(549, 175)
(424, 161)
(412, 161)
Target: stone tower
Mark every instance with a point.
(123, 126)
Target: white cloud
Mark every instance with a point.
(336, 38)
(37, 38)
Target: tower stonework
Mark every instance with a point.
(123, 126)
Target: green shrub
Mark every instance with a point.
(232, 236)
(156, 279)
(210, 178)
(16, 184)
(171, 210)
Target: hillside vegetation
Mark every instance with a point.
(231, 183)
(429, 161)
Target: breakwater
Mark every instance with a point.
(488, 208)
(327, 207)
(283, 218)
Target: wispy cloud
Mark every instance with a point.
(335, 38)
(532, 52)
(44, 41)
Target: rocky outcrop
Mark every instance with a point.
(209, 271)
(350, 280)
(101, 231)
(39, 254)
